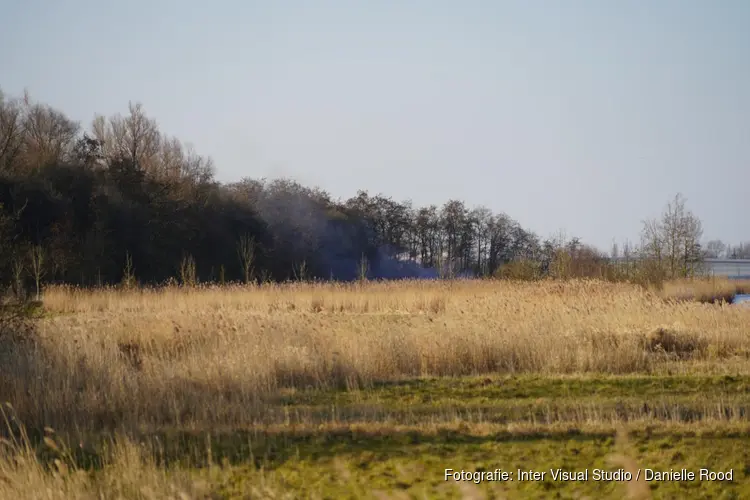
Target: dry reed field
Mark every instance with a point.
(373, 389)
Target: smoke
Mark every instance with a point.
(348, 257)
(304, 226)
(387, 267)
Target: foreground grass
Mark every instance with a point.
(412, 464)
(354, 391)
(396, 441)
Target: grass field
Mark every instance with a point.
(374, 390)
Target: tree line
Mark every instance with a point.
(122, 202)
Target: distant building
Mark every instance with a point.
(730, 268)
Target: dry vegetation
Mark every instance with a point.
(133, 362)
(709, 290)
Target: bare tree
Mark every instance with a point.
(614, 253)
(628, 256)
(364, 268)
(11, 132)
(246, 254)
(300, 271)
(171, 157)
(741, 251)
(134, 137)
(48, 135)
(188, 271)
(499, 241)
(691, 252)
(482, 217)
(37, 261)
(427, 229)
(17, 267)
(652, 243)
(197, 168)
(453, 217)
(102, 133)
(673, 242)
(715, 249)
(128, 272)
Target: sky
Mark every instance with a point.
(585, 117)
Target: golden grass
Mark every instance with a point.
(210, 356)
(129, 472)
(705, 289)
(127, 360)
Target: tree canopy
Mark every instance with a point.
(122, 200)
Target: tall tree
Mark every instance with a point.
(672, 243)
(48, 135)
(11, 132)
(715, 249)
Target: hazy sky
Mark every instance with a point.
(586, 116)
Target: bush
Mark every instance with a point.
(17, 323)
(522, 269)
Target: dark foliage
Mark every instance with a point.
(89, 206)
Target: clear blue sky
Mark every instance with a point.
(586, 116)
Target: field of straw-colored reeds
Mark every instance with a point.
(116, 360)
(208, 356)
